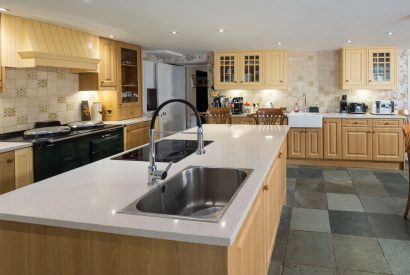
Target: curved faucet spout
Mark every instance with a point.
(153, 174)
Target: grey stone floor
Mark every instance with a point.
(343, 221)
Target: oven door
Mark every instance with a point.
(106, 145)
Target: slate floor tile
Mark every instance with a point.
(279, 251)
(351, 272)
(310, 199)
(310, 185)
(376, 204)
(292, 172)
(349, 223)
(402, 202)
(397, 253)
(390, 177)
(290, 195)
(359, 253)
(389, 226)
(310, 172)
(396, 189)
(294, 269)
(344, 202)
(362, 175)
(290, 184)
(285, 218)
(310, 248)
(370, 189)
(310, 220)
(340, 187)
(275, 267)
(336, 175)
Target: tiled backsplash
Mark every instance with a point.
(40, 94)
(318, 75)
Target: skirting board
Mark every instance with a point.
(348, 163)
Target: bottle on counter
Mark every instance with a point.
(296, 108)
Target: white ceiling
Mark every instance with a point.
(248, 24)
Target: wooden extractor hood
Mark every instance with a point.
(30, 43)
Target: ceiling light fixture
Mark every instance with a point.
(349, 41)
(174, 32)
(112, 36)
(4, 10)
(220, 30)
(279, 43)
(389, 33)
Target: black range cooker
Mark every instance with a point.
(59, 148)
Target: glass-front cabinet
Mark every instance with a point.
(226, 69)
(250, 68)
(382, 67)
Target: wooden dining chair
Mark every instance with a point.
(220, 115)
(270, 116)
(406, 133)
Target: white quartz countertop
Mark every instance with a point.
(129, 121)
(88, 197)
(367, 115)
(11, 146)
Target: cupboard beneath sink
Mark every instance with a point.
(361, 142)
(56, 250)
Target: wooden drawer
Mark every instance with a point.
(138, 125)
(356, 122)
(397, 122)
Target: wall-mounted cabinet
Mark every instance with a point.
(369, 68)
(119, 80)
(250, 69)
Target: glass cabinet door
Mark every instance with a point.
(226, 69)
(129, 76)
(382, 67)
(251, 68)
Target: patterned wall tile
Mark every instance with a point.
(69, 106)
(60, 99)
(32, 75)
(22, 120)
(43, 108)
(42, 83)
(60, 75)
(21, 92)
(52, 116)
(9, 111)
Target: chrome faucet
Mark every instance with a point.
(153, 173)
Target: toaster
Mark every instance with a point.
(383, 107)
(357, 108)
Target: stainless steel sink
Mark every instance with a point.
(195, 193)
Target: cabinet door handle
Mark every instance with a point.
(280, 154)
(266, 187)
(235, 81)
(374, 132)
(370, 80)
(369, 132)
(347, 80)
(241, 81)
(281, 81)
(10, 160)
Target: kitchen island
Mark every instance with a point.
(69, 224)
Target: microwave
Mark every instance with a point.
(383, 107)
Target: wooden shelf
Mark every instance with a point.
(129, 65)
(129, 85)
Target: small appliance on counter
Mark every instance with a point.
(383, 107)
(237, 105)
(219, 101)
(96, 112)
(357, 108)
(343, 104)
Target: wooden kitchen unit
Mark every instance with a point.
(52, 250)
(16, 169)
(137, 134)
(355, 142)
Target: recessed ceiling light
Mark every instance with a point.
(349, 41)
(220, 30)
(174, 32)
(112, 36)
(389, 33)
(4, 9)
(279, 43)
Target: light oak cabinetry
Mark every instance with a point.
(332, 138)
(265, 69)
(305, 143)
(369, 68)
(138, 134)
(357, 143)
(107, 69)
(7, 172)
(16, 169)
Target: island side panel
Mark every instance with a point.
(28, 249)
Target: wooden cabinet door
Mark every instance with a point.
(357, 143)
(248, 254)
(23, 167)
(272, 206)
(388, 144)
(382, 68)
(7, 178)
(314, 143)
(354, 67)
(108, 65)
(226, 69)
(296, 143)
(275, 69)
(136, 135)
(251, 69)
(332, 138)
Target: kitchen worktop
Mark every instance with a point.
(88, 197)
(131, 121)
(11, 146)
(367, 115)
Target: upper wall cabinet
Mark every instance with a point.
(107, 69)
(250, 69)
(369, 68)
